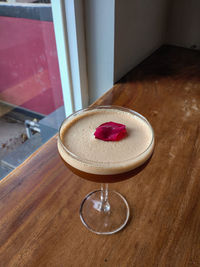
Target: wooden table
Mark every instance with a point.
(40, 200)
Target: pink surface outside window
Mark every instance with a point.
(29, 71)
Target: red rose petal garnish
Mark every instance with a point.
(110, 131)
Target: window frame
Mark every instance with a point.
(70, 41)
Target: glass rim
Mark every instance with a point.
(90, 162)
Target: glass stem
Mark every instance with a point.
(105, 206)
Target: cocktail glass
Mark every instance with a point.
(104, 211)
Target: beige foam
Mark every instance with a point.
(100, 157)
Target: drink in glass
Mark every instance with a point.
(104, 211)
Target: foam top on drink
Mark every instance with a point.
(85, 152)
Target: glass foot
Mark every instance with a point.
(104, 218)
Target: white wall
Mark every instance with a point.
(140, 27)
(120, 34)
(184, 23)
(99, 30)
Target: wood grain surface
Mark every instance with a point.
(40, 200)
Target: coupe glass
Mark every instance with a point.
(104, 211)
